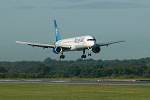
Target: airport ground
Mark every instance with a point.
(72, 92)
(74, 89)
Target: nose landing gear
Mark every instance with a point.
(89, 54)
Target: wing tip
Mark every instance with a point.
(17, 41)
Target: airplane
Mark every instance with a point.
(80, 43)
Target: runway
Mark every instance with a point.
(80, 82)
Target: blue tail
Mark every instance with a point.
(56, 31)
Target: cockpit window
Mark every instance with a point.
(90, 39)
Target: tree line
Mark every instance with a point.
(89, 68)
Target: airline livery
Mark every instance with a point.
(72, 44)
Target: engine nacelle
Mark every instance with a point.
(57, 50)
(96, 49)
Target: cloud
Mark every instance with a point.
(104, 5)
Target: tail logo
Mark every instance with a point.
(56, 32)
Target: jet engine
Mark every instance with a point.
(96, 49)
(57, 50)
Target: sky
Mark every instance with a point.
(106, 20)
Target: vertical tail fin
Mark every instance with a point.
(56, 31)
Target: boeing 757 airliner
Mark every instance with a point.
(80, 43)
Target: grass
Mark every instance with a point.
(72, 92)
(92, 79)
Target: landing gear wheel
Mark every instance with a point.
(89, 54)
(62, 56)
(83, 56)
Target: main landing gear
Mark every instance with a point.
(62, 56)
(84, 56)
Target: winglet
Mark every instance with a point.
(56, 31)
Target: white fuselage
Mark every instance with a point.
(77, 43)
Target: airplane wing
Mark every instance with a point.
(109, 43)
(37, 44)
(44, 45)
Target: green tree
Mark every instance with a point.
(96, 71)
(3, 69)
(107, 72)
(41, 70)
(74, 70)
(11, 74)
(58, 74)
